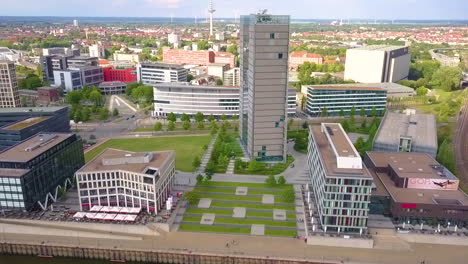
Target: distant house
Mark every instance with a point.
(297, 58)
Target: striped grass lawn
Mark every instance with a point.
(229, 213)
(233, 191)
(244, 184)
(253, 206)
(197, 219)
(219, 229)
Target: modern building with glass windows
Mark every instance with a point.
(32, 171)
(152, 73)
(18, 124)
(340, 184)
(180, 98)
(127, 179)
(331, 100)
(264, 49)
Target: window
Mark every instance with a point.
(280, 55)
(276, 124)
(272, 35)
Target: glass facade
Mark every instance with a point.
(45, 172)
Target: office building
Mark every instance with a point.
(394, 90)
(32, 171)
(133, 58)
(18, 124)
(340, 185)
(111, 74)
(41, 96)
(57, 51)
(414, 187)
(217, 69)
(9, 95)
(109, 88)
(10, 55)
(297, 58)
(331, 99)
(173, 39)
(75, 23)
(408, 132)
(225, 58)
(80, 61)
(180, 98)
(127, 179)
(75, 78)
(264, 48)
(232, 77)
(97, 51)
(59, 62)
(151, 73)
(376, 64)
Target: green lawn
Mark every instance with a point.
(229, 212)
(274, 232)
(244, 184)
(220, 229)
(186, 147)
(238, 221)
(233, 191)
(253, 206)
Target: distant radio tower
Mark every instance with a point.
(211, 10)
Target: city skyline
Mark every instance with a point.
(333, 9)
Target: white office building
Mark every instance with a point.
(75, 78)
(232, 77)
(97, 50)
(377, 64)
(180, 98)
(127, 179)
(150, 73)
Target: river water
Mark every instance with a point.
(6, 259)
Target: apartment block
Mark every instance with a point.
(152, 73)
(264, 48)
(340, 185)
(9, 95)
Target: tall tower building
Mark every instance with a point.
(9, 96)
(211, 10)
(264, 51)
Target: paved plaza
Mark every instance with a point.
(241, 190)
(204, 203)
(268, 199)
(208, 219)
(258, 230)
(279, 215)
(238, 212)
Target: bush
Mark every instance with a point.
(271, 181)
(199, 179)
(193, 196)
(171, 126)
(158, 126)
(281, 180)
(288, 195)
(196, 162)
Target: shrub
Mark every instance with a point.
(288, 195)
(271, 181)
(281, 180)
(199, 179)
(192, 197)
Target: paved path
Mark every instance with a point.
(207, 155)
(230, 167)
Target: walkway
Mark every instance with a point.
(207, 155)
(230, 168)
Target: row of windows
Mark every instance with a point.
(7, 188)
(11, 204)
(11, 196)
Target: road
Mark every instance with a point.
(461, 145)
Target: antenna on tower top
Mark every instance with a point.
(211, 10)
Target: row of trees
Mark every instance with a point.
(307, 68)
(223, 151)
(143, 94)
(430, 74)
(87, 104)
(324, 51)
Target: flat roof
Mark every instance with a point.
(26, 123)
(329, 159)
(380, 48)
(345, 87)
(340, 141)
(114, 83)
(116, 159)
(421, 128)
(411, 165)
(32, 109)
(188, 85)
(12, 172)
(390, 87)
(32, 147)
(161, 64)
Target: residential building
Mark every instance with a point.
(409, 132)
(217, 69)
(97, 51)
(152, 73)
(180, 98)
(111, 74)
(340, 185)
(197, 57)
(264, 86)
(32, 171)
(329, 100)
(75, 78)
(134, 58)
(9, 95)
(127, 179)
(109, 88)
(414, 187)
(376, 64)
(18, 124)
(225, 58)
(297, 58)
(232, 77)
(173, 39)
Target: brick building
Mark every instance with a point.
(199, 57)
(225, 58)
(296, 58)
(119, 75)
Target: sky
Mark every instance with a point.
(303, 9)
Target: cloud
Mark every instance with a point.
(164, 3)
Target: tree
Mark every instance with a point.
(213, 130)
(281, 180)
(77, 116)
(74, 97)
(211, 118)
(224, 117)
(115, 112)
(374, 111)
(210, 167)
(31, 82)
(185, 117)
(199, 117)
(193, 196)
(446, 155)
(219, 82)
(200, 126)
(341, 112)
(305, 125)
(362, 112)
(199, 179)
(171, 117)
(190, 77)
(171, 126)
(186, 125)
(346, 126)
(422, 91)
(203, 45)
(85, 114)
(103, 114)
(447, 78)
(324, 112)
(271, 181)
(96, 97)
(196, 162)
(158, 126)
(352, 112)
(233, 49)
(254, 166)
(288, 195)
